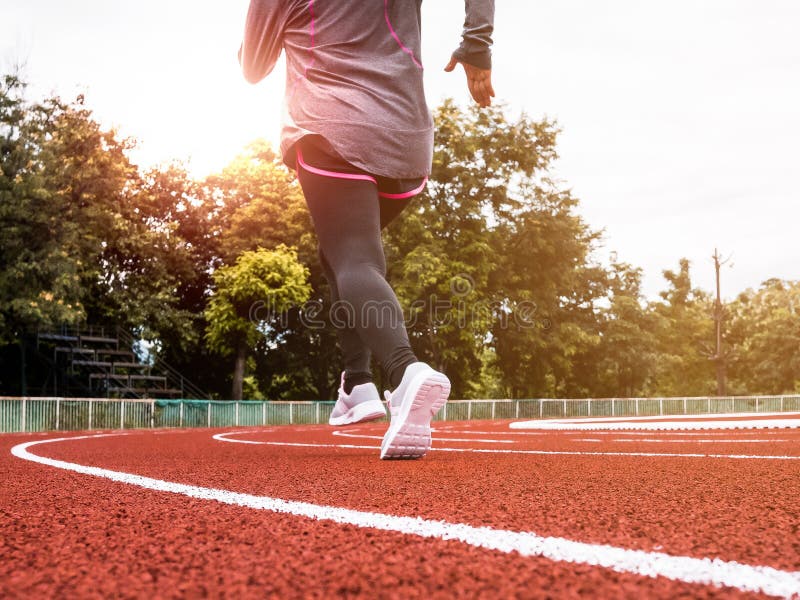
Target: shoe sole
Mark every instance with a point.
(409, 434)
(361, 413)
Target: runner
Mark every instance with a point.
(359, 133)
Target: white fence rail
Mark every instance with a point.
(31, 414)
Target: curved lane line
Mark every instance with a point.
(704, 571)
(658, 425)
(222, 437)
(691, 441)
(437, 439)
(664, 418)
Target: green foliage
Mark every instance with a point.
(764, 330)
(39, 269)
(493, 264)
(493, 254)
(82, 236)
(259, 204)
(256, 202)
(684, 332)
(251, 293)
(627, 353)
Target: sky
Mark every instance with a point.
(679, 119)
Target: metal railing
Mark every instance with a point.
(31, 414)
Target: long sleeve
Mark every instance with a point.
(475, 49)
(263, 38)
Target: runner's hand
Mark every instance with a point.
(478, 80)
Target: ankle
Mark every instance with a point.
(351, 380)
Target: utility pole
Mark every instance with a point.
(719, 357)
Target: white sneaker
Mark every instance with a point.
(363, 403)
(420, 395)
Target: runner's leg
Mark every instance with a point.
(347, 219)
(356, 355)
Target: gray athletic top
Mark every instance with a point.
(354, 75)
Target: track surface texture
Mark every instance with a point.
(258, 513)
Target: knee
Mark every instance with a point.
(354, 275)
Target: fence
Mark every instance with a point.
(32, 414)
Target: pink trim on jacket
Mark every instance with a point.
(395, 36)
(313, 43)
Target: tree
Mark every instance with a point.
(249, 296)
(683, 328)
(493, 255)
(39, 271)
(257, 202)
(80, 238)
(626, 355)
(765, 334)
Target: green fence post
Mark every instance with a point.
(22, 423)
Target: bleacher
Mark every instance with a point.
(103, 364)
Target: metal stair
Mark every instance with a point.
(103, 364)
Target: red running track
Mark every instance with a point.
(727, 495)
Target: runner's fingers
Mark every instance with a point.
(481, 92)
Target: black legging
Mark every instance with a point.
(348, 216)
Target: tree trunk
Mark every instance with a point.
(721, 387)
(23, 375)
(238, 371)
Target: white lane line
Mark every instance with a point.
(690, 441)
(657, 418)
(658, 426)
(461, 431)
(689, 434)
(437, 439)
(567, 433)
(222, 437)
(704, 571)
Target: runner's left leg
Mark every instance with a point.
(347, 219)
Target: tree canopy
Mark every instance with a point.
(494, 265)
